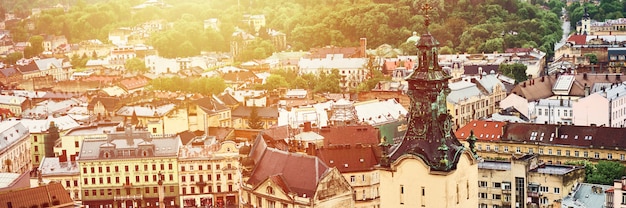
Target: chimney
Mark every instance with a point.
(587, 90)
(307, 126)
(585, 76)
(363, 44)
(542, 78)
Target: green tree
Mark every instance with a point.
(593, 59)
(605, 172)
(13, 57)
(275, 81)
(328, 83)
(136, 65)
(254, 121)
(516, 71)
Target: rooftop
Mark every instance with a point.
(51, 166)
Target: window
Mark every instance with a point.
(550, 151)
(597, 155)
(530, 150)
(230, 177)
(488, 148)
(557, 190)
(36, 148)
(558, 152)
(567, 153)
(543, 189)
(35, 138)
(401, 194)
(126, 168)
(496, 196)
(482, 195)
(183, 179)
(506, 148)
(479, 147)
(496, 184)
(623, 198)
(518, 150)
(154, 130)
(117, 169)
(541, 151)
(609, 156)
(576, 154)
(585, 154)
(622, 157)
(146, 178)
(482, 183)
(495, 148)
(76, 144)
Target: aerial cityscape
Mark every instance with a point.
(318, 103)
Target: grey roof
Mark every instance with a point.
(11, 100)
(146, 111)
(490, 81)
(494, 165)
(44, 64)
(586, 196)
(42, 125)
(6, 179)
(462, 90)
(10, 133)
(163, 147)
(51, 166)
(556, 169)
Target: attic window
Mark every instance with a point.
(533, 136)
(345, 165)
(331, 162)
(462, 134)
(496, 125)
(576, 137)
(361, 160)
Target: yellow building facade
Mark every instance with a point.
(411, 183)
(525, 182)
(554, 144)
(129, 169)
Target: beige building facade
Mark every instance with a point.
(209, 173)
(525, 182)
(15, 151)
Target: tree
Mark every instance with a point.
(255, 122)
(37, 43)
(50, 139)
(136, 65)
(13, 57)
(275, 81)
(593, 59)
(605, 172)
(516, 71)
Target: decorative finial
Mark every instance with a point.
(426, 8)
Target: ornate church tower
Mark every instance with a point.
(430, 167)
(429, 134)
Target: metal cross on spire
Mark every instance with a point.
(427, 8)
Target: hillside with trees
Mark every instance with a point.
(471, 26)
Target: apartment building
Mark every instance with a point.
(208, 172)
(129, 169)
(14, 148)
(525, 182)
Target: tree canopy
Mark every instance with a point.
(471, 26)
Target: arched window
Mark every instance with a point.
(270, 190)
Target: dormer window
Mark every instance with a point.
(107, 154)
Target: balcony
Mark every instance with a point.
(201, 183)
(533, 194)
(128, 185)
(506, 191)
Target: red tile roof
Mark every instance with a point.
(578, 39)
(348, 160)
(483, 130)
(350, 135)
(134, 83)
(49, 195)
